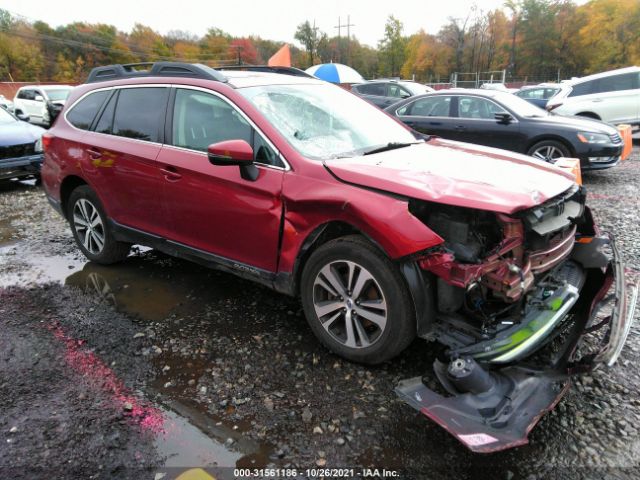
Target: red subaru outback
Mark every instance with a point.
(383, 233)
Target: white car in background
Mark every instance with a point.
(40, 102)
(612, 97)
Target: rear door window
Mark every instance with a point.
(82, 114)
(373, 89)
(140, 113)
(616, 83)
(584, 88)
(436, 106)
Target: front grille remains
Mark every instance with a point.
(16, 151)
(550, 229)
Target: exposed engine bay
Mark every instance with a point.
(504, 289)
(492, 268)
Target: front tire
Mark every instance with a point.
(90, 227)
(356, 301)
(549, 150)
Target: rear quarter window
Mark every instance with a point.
(82, 113)
(580, 89)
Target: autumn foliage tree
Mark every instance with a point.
(534, 40)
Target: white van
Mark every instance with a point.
(612, 96)
(38, 101)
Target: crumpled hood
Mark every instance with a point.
(455, 173)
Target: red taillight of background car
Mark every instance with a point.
(46, 140)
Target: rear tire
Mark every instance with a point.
(90, 227)
(356, 301)
(549, 150)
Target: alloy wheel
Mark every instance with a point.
(88, 226)
(547, 153)
(350, 304)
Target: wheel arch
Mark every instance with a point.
(419, 285)
(588, 114)
(319, 236)
(68, 185)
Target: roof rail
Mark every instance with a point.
(267, 68)
(154, 69)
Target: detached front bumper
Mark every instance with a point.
(502, 416)
(20, 166)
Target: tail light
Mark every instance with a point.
(46, 140)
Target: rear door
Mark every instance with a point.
(376, 93)
(120, 156)
(476, 123)
(212, 208)
(616, 98)
(28, 102)
(431, 115)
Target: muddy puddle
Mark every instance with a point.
(23, 270)
(151, 287)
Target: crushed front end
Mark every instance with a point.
(521, 302)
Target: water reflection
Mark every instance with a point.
(151, 286)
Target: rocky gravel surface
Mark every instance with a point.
(239, 362)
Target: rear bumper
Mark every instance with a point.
(20, 166)
(503, 416)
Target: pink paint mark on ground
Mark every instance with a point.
(603, 196)
(91, 368)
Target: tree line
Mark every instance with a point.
(536, 39)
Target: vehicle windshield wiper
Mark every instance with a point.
(389, 146)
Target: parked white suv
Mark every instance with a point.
(40, 102)
(612, 96)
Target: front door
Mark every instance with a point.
(476, 123)
(212, 208)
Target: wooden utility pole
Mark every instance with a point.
(339, 27)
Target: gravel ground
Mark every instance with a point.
(236, 364)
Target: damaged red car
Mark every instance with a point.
(384, 234)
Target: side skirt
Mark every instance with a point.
(123, 233)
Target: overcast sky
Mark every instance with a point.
(273, 19)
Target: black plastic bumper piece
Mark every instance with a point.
(495, 420)
(21, 166)
(502, 417)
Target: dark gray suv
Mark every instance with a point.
(385, 92)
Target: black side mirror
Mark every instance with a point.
(54, 110)
(503, 117)
(23, 116)
(234, 152)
